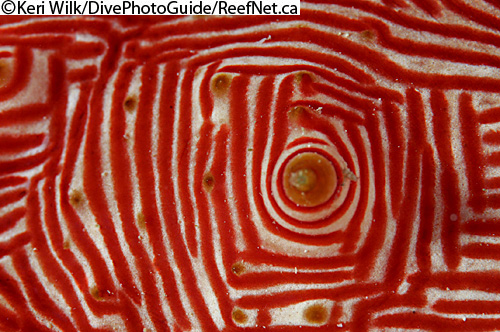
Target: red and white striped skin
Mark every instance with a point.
(142, 163)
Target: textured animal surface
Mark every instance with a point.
(337, 170)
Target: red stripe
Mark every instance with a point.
(8, 320)
(83, 74)
(14, 243)
(22, 164)
(286, 261)
(146, 184)
(174, 234)
(121, 169)
(239, 124)
(78, 50)
(359, 103)
(481, 17)
(426, 227)
(492, 183)
(482, 251)
(493, 3)
(365, 257)
(92, 179)
(449, 178)
(282, 299)
(54, 271)
(412, 179)
(493, 159)
(492, 137)
(483, 227)
(372, 91)
(467, 307)
(223, 226)
(184, 146)
(64, 25)
(37, 295)
(203, 147)
(13, 144)
(432, 7)
(397, 148)
(12, 196)
(12, 293)
(21, 75)
(380, 64)
(77, 233)
(258, 280)
(491, 115)
(430, 322)
(50, 265)
(488, 281)
(352, 233)
(327, 59)
(12, 181)
(472, 155)
(359, 64)
(395, 3)
(258, 145)
(403, 19)
(206, 102)
(41, 42)
(23, 114)
(331, 111)
(11, 218)
(430, 50)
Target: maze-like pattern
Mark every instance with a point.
(142, 163)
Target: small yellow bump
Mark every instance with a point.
(239, 316)
(304, 75)
(238, 268)
(368, 35)
(141, 220)
(130, 103)
(66, 244)
(5, 73)
(296, 112)
(96, 294)
(76, 198)
(309, 179)
(208, 182)
(220, 84)
(316, 314)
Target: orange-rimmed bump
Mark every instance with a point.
(309, 179)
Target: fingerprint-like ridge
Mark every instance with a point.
(325, 209)
(137, 157)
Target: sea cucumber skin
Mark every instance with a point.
(142, 162)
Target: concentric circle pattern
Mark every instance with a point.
(309, 179)
(337, 170)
